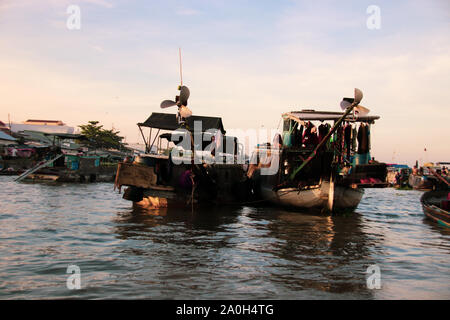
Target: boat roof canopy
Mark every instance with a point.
(5, 136)
(168, 121)
(311, 115)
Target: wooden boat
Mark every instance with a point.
(60, 163)
(429, 178)
(158, 179)
(436, 206)
(88, 169)
(398, 176)
(327, 174)
(423, 182)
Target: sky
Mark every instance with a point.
(245, 61)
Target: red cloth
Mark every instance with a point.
(445, 205)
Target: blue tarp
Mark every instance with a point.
(398, 166)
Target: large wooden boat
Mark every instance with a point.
(436, 206)
(326, 172)
(161, 178)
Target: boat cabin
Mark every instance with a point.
(346, 151)
(200, 134)
(181, 159)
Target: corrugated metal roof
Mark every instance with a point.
(5, 136)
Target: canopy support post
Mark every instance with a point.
(150, 149)
(143, 137)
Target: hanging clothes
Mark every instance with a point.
(363, 139)
(354, 136)
(339, 143)
(324, 128)
(287, 133)
(296, 135)
(277, 142)
(300, 136)
(310, 135)
(348, 138)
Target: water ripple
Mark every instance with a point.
(220, 252)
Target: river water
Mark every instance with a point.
(215, 253)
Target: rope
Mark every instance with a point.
(192, 193)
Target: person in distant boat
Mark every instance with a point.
(397, 178)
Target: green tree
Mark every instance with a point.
(100, 138)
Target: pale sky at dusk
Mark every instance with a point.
(246, 61)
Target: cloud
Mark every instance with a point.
(11, 4)
(98, 48)
(245, 72)
(101, 3)
(187, 12)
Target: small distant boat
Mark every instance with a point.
(422, 182)
(428, 178)
(398, 176)
(436, 206)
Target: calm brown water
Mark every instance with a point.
(218, 253)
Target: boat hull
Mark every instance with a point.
(315, 197)
(431, 205)
(215, 184)
(424, 183)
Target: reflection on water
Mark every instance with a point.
(215, 252)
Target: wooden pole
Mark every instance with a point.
(181, 67)
(9, 122)
(154, 140)
(143, 138)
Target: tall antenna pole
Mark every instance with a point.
(181, 67)
(9, 122)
